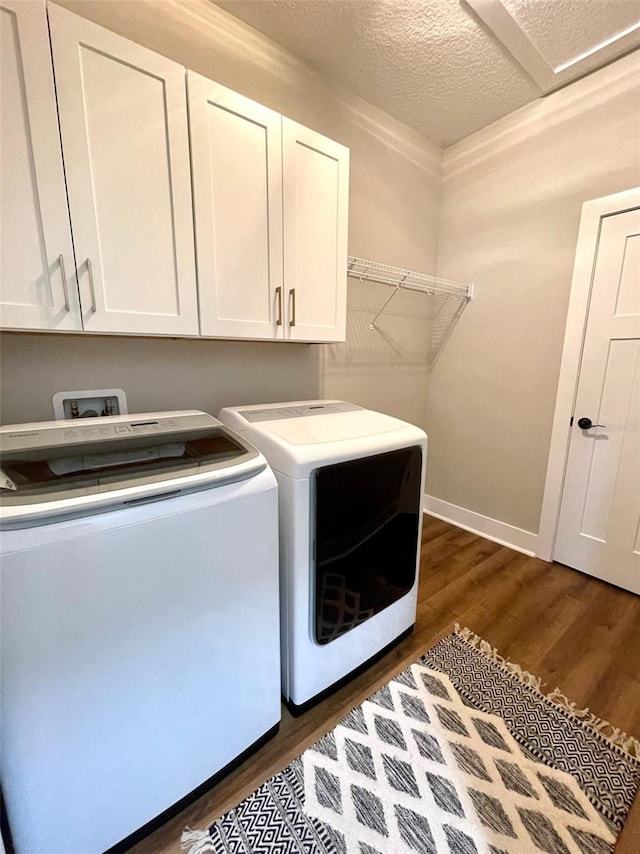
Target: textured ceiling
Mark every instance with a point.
(564, 28)
(432, 64)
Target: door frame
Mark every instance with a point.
(593, 212)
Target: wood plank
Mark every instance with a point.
(570, 629)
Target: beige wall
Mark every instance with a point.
(373, 368)
(156, 374)
(512, 195)
(394, 210)
(386, 367)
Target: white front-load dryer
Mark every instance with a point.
(350, 485)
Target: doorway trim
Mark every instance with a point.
(586, 251)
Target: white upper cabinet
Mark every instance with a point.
(124, 132)
(37, 283)
(237, 195)
(256, 174)
(104, 157)
(315, 175)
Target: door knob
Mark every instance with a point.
(587, 424)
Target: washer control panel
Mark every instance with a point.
(59, 433)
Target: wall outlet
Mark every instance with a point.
(89, 403)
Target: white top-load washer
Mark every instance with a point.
(350, 485)
(139, 651)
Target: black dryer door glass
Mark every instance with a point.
(366, 538)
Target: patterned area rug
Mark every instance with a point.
(461, 753)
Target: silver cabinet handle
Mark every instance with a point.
(64, 282)
(91, 286)
(292, 300)
(279, 301)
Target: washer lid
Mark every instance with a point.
(61, 467)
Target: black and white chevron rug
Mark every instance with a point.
(459, 754)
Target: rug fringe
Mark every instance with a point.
(616, 736)
(492, 654)
(196, 841)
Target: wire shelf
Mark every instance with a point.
(373, 271)
(410, 332)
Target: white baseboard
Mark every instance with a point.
(499, 532)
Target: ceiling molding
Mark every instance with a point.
(506, 28)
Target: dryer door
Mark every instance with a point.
(366, 538)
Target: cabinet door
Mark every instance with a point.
(123, 121)
(37, 284)
(236, 151)
(316, 187)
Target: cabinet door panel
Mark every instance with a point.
(316, 186)
(236, 155)
(124, 134)
(35, 238)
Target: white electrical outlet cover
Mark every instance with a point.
(89, 402)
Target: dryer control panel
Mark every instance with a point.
(302, 411)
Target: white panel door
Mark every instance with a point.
(599, 526)
(37, 281)
(124, 135)
(236, 151)
(316, 191)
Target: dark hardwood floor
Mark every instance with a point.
(572, 630)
